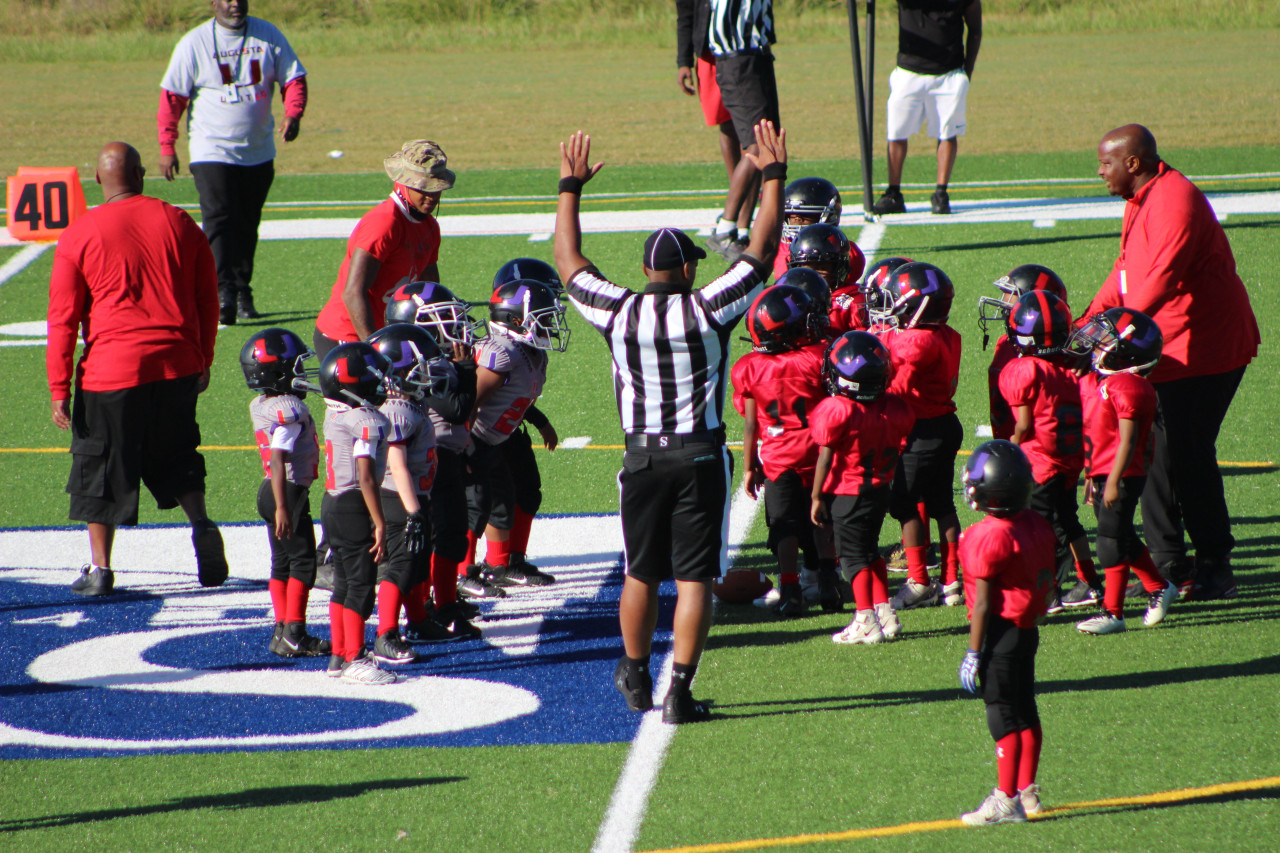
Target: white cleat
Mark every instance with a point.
(890, 625)
(1158, 605)
(996, 808)
(864, 628)
(912, 595)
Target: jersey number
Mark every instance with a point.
(512, 417)
(801, 415)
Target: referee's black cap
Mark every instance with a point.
(668, 248)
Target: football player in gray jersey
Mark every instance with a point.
(286, 436)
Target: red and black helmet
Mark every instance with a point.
(1039, 324)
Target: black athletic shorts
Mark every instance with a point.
(491, 487)
(857, 520)
(786, 509)
(1055, 500)
(144, 434)
(1117, 540)
(749, 92)
(1007, 673)
(927, 469)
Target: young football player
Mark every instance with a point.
(812, 201)
(1008, 575)
(825, 249)
(352, 379)
(1119, 409)
(1042, 392)
(286, 435)
(776, 386)
(879, 303)
(926, 369)
(860, 431)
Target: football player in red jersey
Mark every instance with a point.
(860, 431)
(1008, 575)
(1042, 391)
(1119, 410)
(775, 387)
(825, 249)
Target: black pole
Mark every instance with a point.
(870, 76)
(860, 107)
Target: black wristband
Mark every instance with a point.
(571, 185)
(774, 171)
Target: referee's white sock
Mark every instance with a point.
(726, 226)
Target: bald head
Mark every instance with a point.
(1135, 141)
(1127, 159)
(120, 169)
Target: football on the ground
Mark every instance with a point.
(741, 587)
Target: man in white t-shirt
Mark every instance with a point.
(227, 70)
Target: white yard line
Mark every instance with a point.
(22, 260)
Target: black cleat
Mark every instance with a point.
(538, 576)
(474, 585)
(634, 683)
(211, 560)
(680, 707)
(390, 648)
(940, 202)
(890, 202)
(829, 591)
(511, 575)
(94, 580)
(790, 601)
(244, 307)
(227, 314)
(295, 642)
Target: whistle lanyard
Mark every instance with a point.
(235, 76)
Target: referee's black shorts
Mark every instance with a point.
(674, 511)
(749, 92)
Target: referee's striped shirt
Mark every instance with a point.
(740, 25)
(670, 346)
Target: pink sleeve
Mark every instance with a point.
(168, 114)
(294, 94)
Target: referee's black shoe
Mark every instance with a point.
(244, 307)
(680, 707)
(211, 559)
(634, 683)
(94, 580)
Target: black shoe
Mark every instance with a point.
(245, 309)
(1135, 591)
(1214, 579)
(512, 575)
(680, 707)
(389, 648)
(635, 684)
(474, 585)
(295, 642)
(790, 601)
(1081, 595)
(829, 591)
(227, 314)
(274, 645)
(94, 580)
(427, 631)
(890, 202)
(536, 575)
(459, 609)
(1055, 604)
(724, 245)
(324, 576)
(211, 560)
(940, 202)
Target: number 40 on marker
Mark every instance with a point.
(42, 202)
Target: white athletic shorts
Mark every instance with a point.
(938, 100)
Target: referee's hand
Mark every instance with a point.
(575, 158)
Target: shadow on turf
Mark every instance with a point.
(1271, 792)
(253, 798)
(910, 251)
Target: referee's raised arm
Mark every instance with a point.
(575, 170)
(771, 159)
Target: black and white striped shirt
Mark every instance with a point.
(740, 25)
(670, 346)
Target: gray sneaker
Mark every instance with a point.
(94, 580)
(364, 670)
(996, 808)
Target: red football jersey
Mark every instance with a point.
(926, 367)
(1002, 419)
(786, 387)
(857, 262)
(866, 440)
(1106, 400)
(1056, 443)
(848, 311)
(1016, 555)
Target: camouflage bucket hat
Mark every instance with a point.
(420, 165)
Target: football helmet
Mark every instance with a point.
(879, 303)
(857, 365)
(921, 294)
(781, 318)
(816, 199)
(824, 248)
(1019, 281)
(528, 311)
(997, 478)
(812, 283)
(529, 268)
(1039, 324)
(1122, 340)
(272, 360)
(434, 307)
(418, 368)
(355, 374)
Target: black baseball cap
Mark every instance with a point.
(668, 248)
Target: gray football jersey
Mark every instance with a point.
(409, 425)
(271, 412)
(343, 427)
(526, 372)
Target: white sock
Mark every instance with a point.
(726, 226)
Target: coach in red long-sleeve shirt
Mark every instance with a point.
(1176, 266)
(136, 274)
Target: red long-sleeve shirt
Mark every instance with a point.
(139, 276)
(173, 105)
(1176, 266)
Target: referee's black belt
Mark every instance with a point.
(673, 441)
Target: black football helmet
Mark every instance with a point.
(781, 318)
(529, 268)
(997, 478)
(921, 294)
(1039, 324)
(1122, 340)
(816, 199)
(434, 307)
(812, 283)
(528, 311)
(824, 248)
(874, 284)
(355, 374)
(272, 359)
(1019, 281)
(418, 367)
(857, 365)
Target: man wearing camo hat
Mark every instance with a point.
(395, 243)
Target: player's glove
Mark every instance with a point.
(969, 671)
(415, 534)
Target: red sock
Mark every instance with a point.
(1029, 757)
(862, 589)
(1117, 580)
(353, 633)
(950, 552)
(497, 553)
(789, 577)
(278, 591)
(1007, 760)
(473, 539)
(923, 512)
(879, 582)
(520, 526)
(415, 603)
(917, 569)
(1145, 568)
(388, 607)
(295, 601)
(444, 579)
(337, 636)
(1085, 571)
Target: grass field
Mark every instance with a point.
(814, 747)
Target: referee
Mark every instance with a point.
(670, 348)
